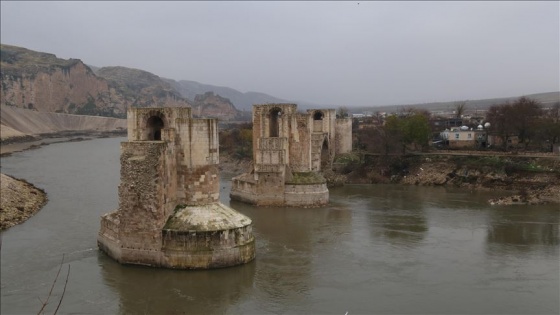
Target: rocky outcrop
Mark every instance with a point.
(45, 83)
(19, 200)
(42, 82)
(213, 106)
(138, 88)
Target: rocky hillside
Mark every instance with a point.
(242, 101)
(138, 88)
(45, 83)
(213, 105)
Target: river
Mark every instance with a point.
(376, 249)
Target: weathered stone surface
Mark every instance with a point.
(169, 212)
(290, 149)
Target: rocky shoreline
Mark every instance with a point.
(19, 200)
(530, 180)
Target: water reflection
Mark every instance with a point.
(289, 241)
(401, 217)
(523, 229)
(145, 290)
(395, 214)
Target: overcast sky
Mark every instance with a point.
(328, 53)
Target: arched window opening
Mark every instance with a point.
(318, 121)
(275, 115)
(318, 116)
(154, 125)
(325, 158)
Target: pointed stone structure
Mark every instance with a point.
(169, 211)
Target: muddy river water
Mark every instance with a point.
(376, 249)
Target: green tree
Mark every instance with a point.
(416, 131)
(392, 133)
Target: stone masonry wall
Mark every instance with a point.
(300, 159)
(141, 191)
(198, 180)
(208, 249)
(343, 135)
(137, 119)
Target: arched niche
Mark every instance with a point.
(318, 121)
(154, 125)
(325, 155)
(274, 122)
(318, 115)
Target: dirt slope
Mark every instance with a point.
(19, 122)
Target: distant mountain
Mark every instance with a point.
(42, 82)
(546, 99)
(140, 88)
(242, 101)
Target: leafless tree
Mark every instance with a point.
(519, 118)
(460, 108)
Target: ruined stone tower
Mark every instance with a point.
(169, 212)
(289, 151)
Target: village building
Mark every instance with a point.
(290, 149)
(465, 137)
(169, 213)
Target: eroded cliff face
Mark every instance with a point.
(45, 83)
(62, 90)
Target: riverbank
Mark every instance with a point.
(19, 200)
(530, 179)
(18, 144)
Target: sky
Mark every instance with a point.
(349, 53)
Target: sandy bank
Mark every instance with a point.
(19, 200)
(18, 122)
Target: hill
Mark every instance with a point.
(242, 101)
(45, 83)
(546, 99)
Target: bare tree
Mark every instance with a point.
(342, 112)
(460, 108)
(519, 118)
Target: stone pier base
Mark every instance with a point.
(194, 237)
